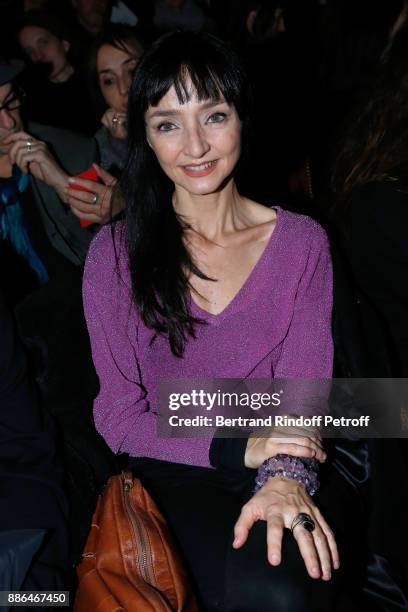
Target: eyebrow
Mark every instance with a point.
(170, 113)
(130, 59)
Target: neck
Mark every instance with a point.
(213, 216)
(62, 74)
(6, 167)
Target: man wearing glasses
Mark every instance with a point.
(43, 239)
(43, 243)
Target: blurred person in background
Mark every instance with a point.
(371, 188)
(370, 216)
(11, 13)
(56, 87)
(41, 237)
(353, 38)
(278, 58)
(114, 57)
(91, 17)
(42, 248)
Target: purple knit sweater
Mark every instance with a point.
(278, 325)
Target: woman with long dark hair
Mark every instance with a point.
(113, 59)
(370, 217)
(200, 282)
(371, 188)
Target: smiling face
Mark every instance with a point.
(10, 120)
(115, 70)
(43, 47)
(197, 144)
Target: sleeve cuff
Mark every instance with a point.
(228, 453)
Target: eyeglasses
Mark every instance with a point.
(15, 101)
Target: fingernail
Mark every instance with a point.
(71, 179)
(315, 571)
(275, 559)
(326, 576)
(336, 564)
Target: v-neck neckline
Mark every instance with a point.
(234, 304)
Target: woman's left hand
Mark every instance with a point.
(295, 441)
(83, 203)
(278, 502)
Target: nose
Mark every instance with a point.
(124, 86)
(36, 57)
(7, 120)
(195, 142)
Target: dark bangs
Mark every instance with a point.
(182, 57)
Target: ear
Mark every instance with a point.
(251, 20)
(66, 45)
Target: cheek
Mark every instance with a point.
(51, 53)
(109, 94)
(231, 141)
(59, 50)
(166, 149)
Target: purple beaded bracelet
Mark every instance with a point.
(302, 469)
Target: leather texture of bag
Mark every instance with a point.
(130, 561)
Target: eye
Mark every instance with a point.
(108, 82)
(217, 118)
(166, 126)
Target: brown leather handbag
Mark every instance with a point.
(130, 561)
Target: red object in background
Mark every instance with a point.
(89, 175)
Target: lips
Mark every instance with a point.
(2, 139)
(198, 170)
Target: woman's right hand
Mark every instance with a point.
(83, 204)
(116, 123)
(33, 156)
(296, 441)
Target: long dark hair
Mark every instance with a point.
(375, 147)
(159, 262)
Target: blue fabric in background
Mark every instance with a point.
(12, 226)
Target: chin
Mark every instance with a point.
(202, 190)
(204, 186)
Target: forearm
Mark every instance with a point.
(59, 183)
(136, 434)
